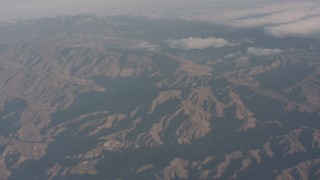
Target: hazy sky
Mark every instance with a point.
(279, 18)
(35, 8)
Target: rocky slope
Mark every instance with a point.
(78, 101)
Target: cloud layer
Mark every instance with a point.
(197, 43)
(263, 51)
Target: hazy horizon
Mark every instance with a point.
(277, 18)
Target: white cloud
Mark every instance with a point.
(263, 51)
(198, 43)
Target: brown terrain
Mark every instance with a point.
(76, 102)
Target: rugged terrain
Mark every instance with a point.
(80, 98)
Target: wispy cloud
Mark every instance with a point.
(277, 18)
(263, 51)
(233, 55)
(296, 19)
(309, 27)
(198, 43)
(145, 46)
(270, 14)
